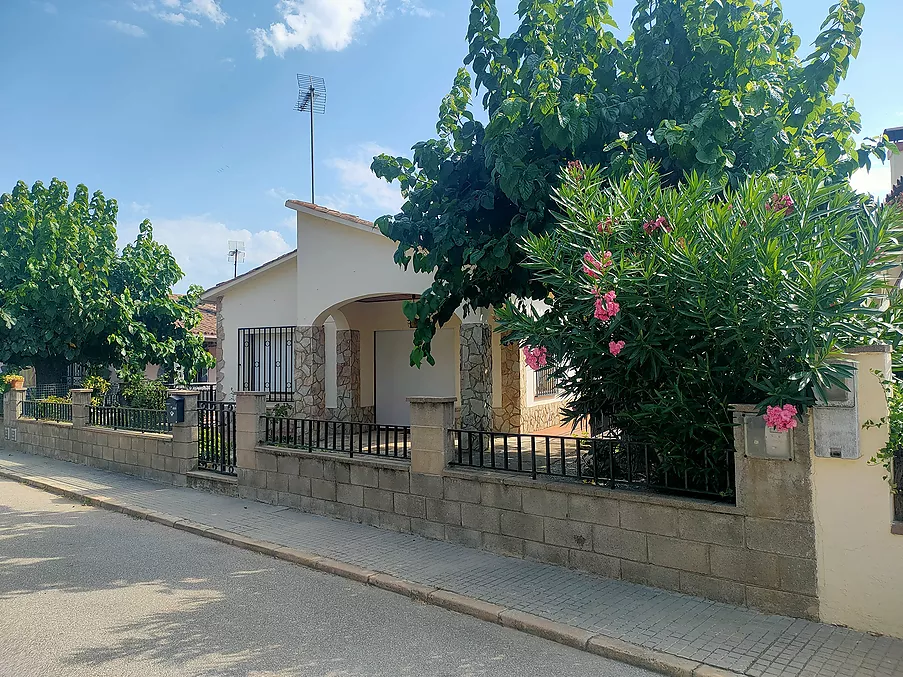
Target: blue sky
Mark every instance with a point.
(182, 110)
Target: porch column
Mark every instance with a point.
(310, 372)
(348, 375)
(219, 354)
(476, 371)
(511, 389)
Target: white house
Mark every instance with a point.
(322, 328)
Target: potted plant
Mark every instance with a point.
(14, 381)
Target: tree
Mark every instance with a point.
(69, 297)
(667, 305)
(711, 87)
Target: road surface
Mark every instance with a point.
(86, 592)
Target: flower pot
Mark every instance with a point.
(17, 383)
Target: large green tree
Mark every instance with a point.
(712, 87)
(69, 296)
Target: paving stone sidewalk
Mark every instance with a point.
(713, 633)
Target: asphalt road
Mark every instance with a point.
(87, 592)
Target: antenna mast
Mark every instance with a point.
(312, 98)
(236, 255)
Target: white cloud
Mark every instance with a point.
(330, 25)
(178, 19)
(360, 191)
(127, 29)
(199, 244)
(182, 12)
(139, 208)
(280, 194)
(415, 8)
(876, 181)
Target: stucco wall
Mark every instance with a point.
(860, 562)
(269, 299)
(339, 263)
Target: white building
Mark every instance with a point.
(322, 328)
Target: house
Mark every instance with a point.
(322, 329)
(895, 136)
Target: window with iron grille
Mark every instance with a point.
(546, 383)
(266, 361)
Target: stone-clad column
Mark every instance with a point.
(476, 373)
(348, 375)
(310, 372)
(511, 391)
(219, 353)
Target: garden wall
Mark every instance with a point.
(157, 457)
(759, 553)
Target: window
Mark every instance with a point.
(546, 383)
(266, 362)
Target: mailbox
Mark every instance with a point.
(175, 409)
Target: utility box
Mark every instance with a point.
(175, 409)
(836, 422)
(763, 442)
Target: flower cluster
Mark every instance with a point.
(593, 267)
(781, 419)
(660, 222)
(605, 226)
(781, 203)
(575, 167)
(536, 358)
(606, 307)
(615, 347)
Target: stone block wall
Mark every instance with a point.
(146, 455)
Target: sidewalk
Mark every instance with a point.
(669, 631)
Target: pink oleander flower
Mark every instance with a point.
(593, 267)
(660, 222)
(606, 308)
(781, 203)
(606, 226)
(615, 347)
(781, 419)
(576, 168)
(536, 358)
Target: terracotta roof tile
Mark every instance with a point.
(332, 212)
(207, 327)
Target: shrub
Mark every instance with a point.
(667, 305)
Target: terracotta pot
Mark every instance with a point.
(17, 383)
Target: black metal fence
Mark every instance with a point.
(898, 485)
(605, 461)
(216, 437)
(389, 441)
(128, 418)
(266, 361)
(41, 392)
(206, 391)
(545, 382)
(46, 411)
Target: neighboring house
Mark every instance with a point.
(322, 328)
(207, 329)
(895, 135)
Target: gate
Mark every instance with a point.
(216, 437)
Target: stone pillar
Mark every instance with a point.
(476, 374)
(432, 447)
(185, 436)
(250, 409)
(81, 400)
(511, 389)
(12, 404)
(310, 372)
(348, 375)
(219, 353)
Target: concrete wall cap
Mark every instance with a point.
(432, 400)
(876, 348)
(81, 390)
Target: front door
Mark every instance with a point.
(396, 379)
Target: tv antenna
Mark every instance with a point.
(311, 97)
(236, 254)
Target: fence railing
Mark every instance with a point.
(47, 411)
(41, 392)
(389, 441)
(216, 437)
(604, 461)
(898, 484)
(128, 418)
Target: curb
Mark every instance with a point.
(577, 638)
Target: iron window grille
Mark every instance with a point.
(546, 383)
(266, 362)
